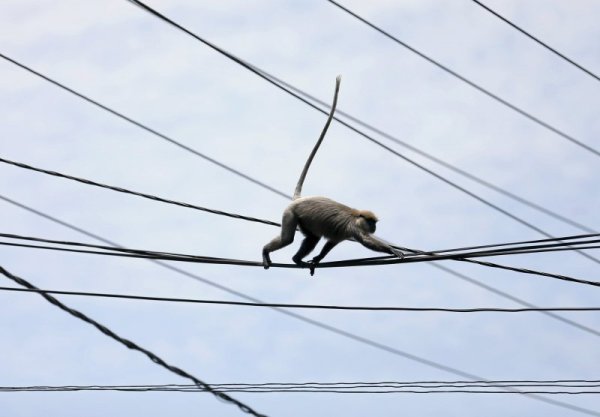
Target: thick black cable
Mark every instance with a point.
(148, 129)
(129, 344)
(535, 39)
(500, 249)
(139, 194)
(260, 74)
(301, 306)
(467, 81)
(435, 159)
(337, 330)
(144, 254)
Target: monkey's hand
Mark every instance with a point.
(266, 260)
(397, 253)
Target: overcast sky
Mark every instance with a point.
(128, 60)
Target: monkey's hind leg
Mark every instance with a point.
(330, 244)
(307, 246)
(288, 229)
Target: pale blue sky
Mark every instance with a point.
(129, 60)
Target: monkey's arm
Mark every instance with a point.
(371, 242)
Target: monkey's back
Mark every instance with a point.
(323, 217)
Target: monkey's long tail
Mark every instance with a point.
(298, 190)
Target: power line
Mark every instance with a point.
(137, 193)
(537, 40)
(147, 129)
(129, 344)
(386, 260)
(518, 247)
(468, 81)
(337, 330)
(339, 388)
(260, 74)
(301, 306)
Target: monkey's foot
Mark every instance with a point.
(312, 265)
(266, 261)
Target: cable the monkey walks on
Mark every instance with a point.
(319, 217)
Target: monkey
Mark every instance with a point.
(318, 217)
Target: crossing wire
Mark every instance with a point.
(499, 248)
(260, 74)
(300, 306)
(166, 256)
(467, 81)
(357, 388)
(129, 344)
(535, 39)
(340, 331)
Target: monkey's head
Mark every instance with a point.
(367, 221)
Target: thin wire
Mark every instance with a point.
(300, 306)
(464, 257)
(259, 73)
(435, 159)
(373, 388)
(148, 129)
(537, 40)
(139, 194)
(129, 344)
(467, 81)
(337, 330)
(560, 383)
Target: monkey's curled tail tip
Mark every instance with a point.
(338, 79)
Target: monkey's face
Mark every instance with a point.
(367, 224)
(372, 225)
